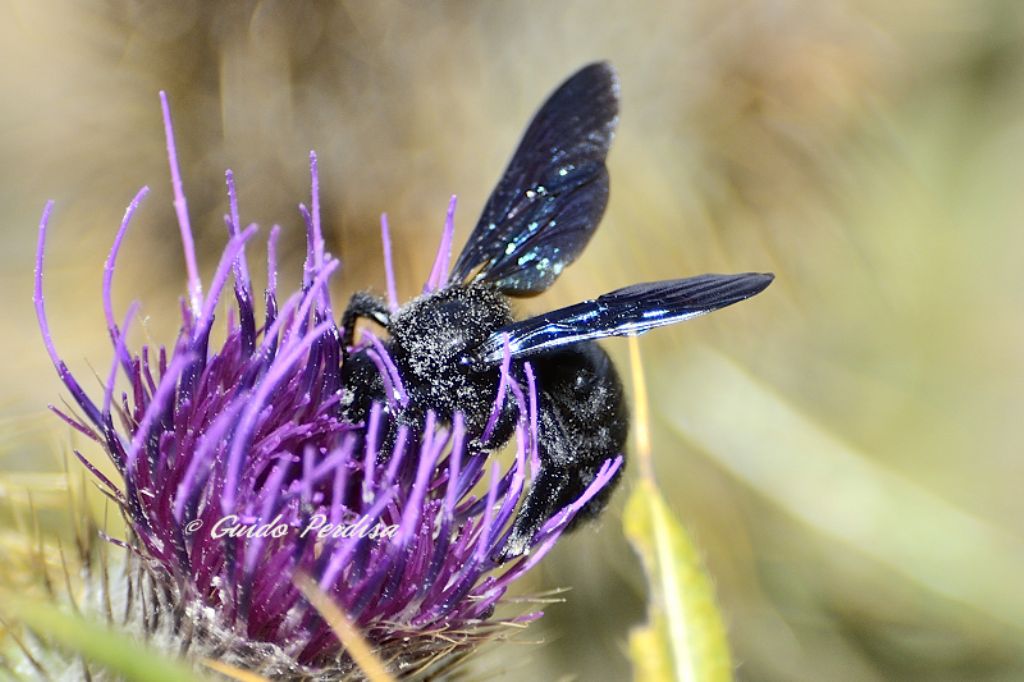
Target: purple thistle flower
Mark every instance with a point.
(239, 473)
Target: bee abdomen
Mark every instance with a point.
(583, 423)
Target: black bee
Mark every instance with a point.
(448, 345)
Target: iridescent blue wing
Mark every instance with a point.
(553, 193)
(624, 312)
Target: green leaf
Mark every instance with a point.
(96, 643)
(684, 638)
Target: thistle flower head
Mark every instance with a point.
(239, 474)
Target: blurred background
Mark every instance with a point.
(845, 448)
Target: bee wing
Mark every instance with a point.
(624, 312)
(553, 193)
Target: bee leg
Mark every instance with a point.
(554, 489)
(548, 493)
(596, 504)
(362, 304)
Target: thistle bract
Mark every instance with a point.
(239, 474)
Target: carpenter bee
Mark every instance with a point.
(448, 345)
